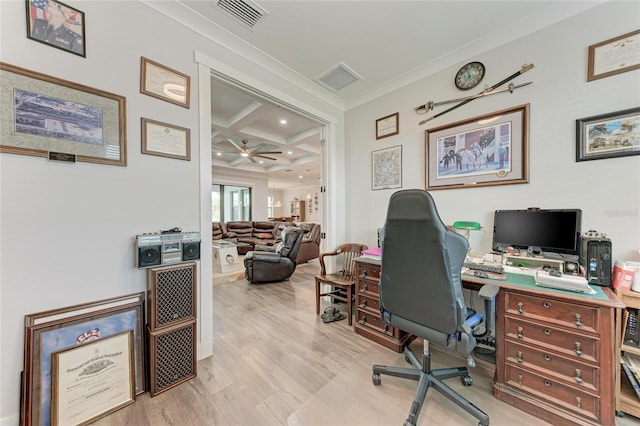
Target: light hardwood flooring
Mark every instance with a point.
(276, 363)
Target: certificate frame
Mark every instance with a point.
(165, 140)
(614, 56)
(42, 115)
(386, 168)
(164, 83)
(103, 367)
(487, 150)
(610, 135)
(50, 331)
(388, 126)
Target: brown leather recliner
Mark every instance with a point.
(264, 267)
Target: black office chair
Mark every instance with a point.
(265, 266)
(421, 293)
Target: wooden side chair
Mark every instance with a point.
(342, 280)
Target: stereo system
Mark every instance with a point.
(167, 248)
(595, 258)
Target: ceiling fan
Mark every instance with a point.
(249, 153)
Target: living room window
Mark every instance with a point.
(230, 203)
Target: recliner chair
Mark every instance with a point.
(421, 293)
(264, 266)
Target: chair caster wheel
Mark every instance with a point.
(376, 379)
(408, 423)
(466, 380)
(406, 358)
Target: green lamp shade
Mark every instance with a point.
(475, 226)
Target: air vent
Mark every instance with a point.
(338, 77)
(246, 12)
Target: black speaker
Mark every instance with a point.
(149, 256)
(595, 257)
(190, 251)
(172, 355)
(172, 295)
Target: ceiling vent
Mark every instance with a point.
(247, 12)
(338, 77)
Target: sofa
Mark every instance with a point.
(266, 235)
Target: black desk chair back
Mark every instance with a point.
(421, 293)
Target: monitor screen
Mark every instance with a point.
(548, 231)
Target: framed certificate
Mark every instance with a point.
(165, 140)
(388, 126)
(164, 83)
(614, 56)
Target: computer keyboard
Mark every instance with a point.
(496, 269)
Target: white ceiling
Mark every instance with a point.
(388, 43)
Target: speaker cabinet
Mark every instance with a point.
(172, 295)
(149, 256)
(190, 251)
(595, 257)
(173, 356)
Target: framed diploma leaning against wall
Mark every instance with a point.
(165, 140)
(92, 380)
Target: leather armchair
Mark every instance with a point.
(264, 267)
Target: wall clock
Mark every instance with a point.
(469, 76)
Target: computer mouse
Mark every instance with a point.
(555, 273)
(480, 274)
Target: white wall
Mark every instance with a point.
(67, 230)
(607, 191)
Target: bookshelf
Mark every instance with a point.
(626, 399)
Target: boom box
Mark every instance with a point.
(167, 249)
(595, 258)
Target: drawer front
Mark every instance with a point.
(374, 322)
(368, 286)
(572, 345)
(582, 376)
(371, 271)
(572, 316)
(368, 301)
(582, 403)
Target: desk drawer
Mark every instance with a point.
(572, 316)
(367, 301)
(370, 271)
(375, 323)
(579, 375)
(368, 286)
(572, 345)
(569, 398)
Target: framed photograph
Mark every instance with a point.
(388, 126)
(616, 134)
(487, 150)
(92, 380)
(386, 168)
(52, 331)
(56, 24)
(42, 115)
(165, 140)
(614, 56)
(164, 83)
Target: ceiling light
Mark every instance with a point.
(244, 154)
(218, 154)
(299, 177)
(261, 162)
(283, 121)
(289, 152)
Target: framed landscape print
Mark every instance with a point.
(615, 134)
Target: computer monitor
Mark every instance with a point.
(538, 231)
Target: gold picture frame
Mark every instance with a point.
(487, 150)
(92, 380)
(165, 140)
(162, 82)
(614, 56)
(45, 116)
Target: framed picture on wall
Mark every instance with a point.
(57, 25)
(615, 134)
(614, 56)
(386, 168)
(162, 82)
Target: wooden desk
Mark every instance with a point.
(555, 350)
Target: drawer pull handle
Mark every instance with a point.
(547, 357)
(364, 286)
(546, 305)
(364, 273)
(520, 379)
(579, 376)
(520, 333)
(520, 308)
(578, 322)
(547, 383)
(363, 304)
(363, 320)
(386, 327)
(547, 331)
(579, 349)
(519, 356)
(579, 401)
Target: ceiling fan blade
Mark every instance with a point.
(267, 152)
(255, 148)
(262, 156)
(251, 159)
(235, 144)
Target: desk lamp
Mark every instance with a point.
(467, 226)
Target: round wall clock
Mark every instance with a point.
(469, 76)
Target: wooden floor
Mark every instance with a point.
(276, 363)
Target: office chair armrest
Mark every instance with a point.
(488, 291)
